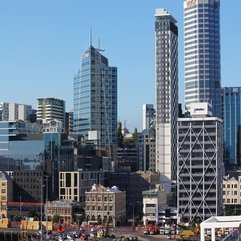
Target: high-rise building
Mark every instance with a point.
(14, 111)
(200, 166)
(166, 95)
(148, 116)
(95, 98)
(202, 53)
(51, 109)
(231, 115)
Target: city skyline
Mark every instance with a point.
(42, 44)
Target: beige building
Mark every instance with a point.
(106, 206)
(73, 185)
(66, 209)
(231, 190)
(153, 202)
(6, 192)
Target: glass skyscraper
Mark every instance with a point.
(95, 98)
(231, 114)
(166, 96)
(148, 116)
(202, 53)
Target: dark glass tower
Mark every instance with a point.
(231, 114)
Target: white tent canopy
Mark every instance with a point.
(219, 222)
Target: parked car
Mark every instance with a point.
(146, 231)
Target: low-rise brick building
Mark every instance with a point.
(107, 206)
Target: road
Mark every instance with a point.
(127, 231)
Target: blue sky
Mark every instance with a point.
(41, 43)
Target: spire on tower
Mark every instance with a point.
(90, 36)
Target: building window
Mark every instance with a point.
(62, 191)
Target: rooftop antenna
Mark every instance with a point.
(90, 36)
(99, 49)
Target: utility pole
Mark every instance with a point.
(133, 216)
(46, 211)
(41, 208)
(20, 207)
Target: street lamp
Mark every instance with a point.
(41, 208)
(20, 207)
(133, 216)
(46, 211)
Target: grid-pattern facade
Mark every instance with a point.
(199, 168)
(95, 98)
(231, 114)
(50, 109)
(73, 185)
(166, 95)
(202, 53)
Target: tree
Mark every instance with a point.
(33, 214)
(120, 135)
(79, 218)
(56, 218)
(135, 135)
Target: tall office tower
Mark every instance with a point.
(95, 98)
(200, 167)
(231, 115)
(14, 111)
(148, 116)
(202, 53)
(50, 109)
(166, 96)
